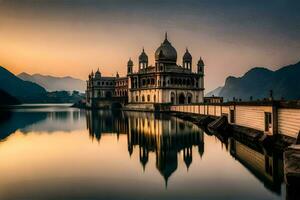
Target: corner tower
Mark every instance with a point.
(129, 66)
(187, 60)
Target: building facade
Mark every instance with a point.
(166, 81)
(104, 91)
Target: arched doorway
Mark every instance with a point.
(181, 99)
(189, 98)
(172, 97)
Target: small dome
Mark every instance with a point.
(187, 55)
(129, 63)
(200, 62)
(167, 50)
(97, 74)
(143, 57)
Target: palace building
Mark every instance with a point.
(164, 82)
(103, 91)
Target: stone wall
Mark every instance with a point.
(284, 121)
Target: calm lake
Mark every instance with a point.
(57, 152)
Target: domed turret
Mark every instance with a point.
(129, 63)
(143, 57)
(200, 66)
(129, 66)
(166, 52)
(98, 74)
(187, 55)
(187, 60)
(143, 60)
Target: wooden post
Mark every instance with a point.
(275, 120)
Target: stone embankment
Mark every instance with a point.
(221, 129)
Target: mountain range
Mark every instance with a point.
(257, 83)
(24, 91)
(14, 90)
(52, 83)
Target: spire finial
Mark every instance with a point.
(143, 49)
(166, 35)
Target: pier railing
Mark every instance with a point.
(271, 117)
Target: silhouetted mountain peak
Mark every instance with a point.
(257, 82)
(16, 87)
(53, 83)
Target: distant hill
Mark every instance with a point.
(52, 83)
(258, 81)
(215, 92)
(7, 99)
(25, 91)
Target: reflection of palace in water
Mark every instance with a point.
(150, 133)
(169, 138)
(166, 137)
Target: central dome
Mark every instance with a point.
(166, 52)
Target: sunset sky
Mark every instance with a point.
(72, 37)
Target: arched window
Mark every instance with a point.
(154, 98)
(137, 98)
(172, 97)
(143, 98)
(181, 99)
(189, 98)
(148, 98)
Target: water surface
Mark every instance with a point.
(57, 152)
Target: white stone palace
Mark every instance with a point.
(161, 83)
(166, 81)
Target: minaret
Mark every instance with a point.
(200, 66)
(187, 60)
(129, 66)
(143, 60)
